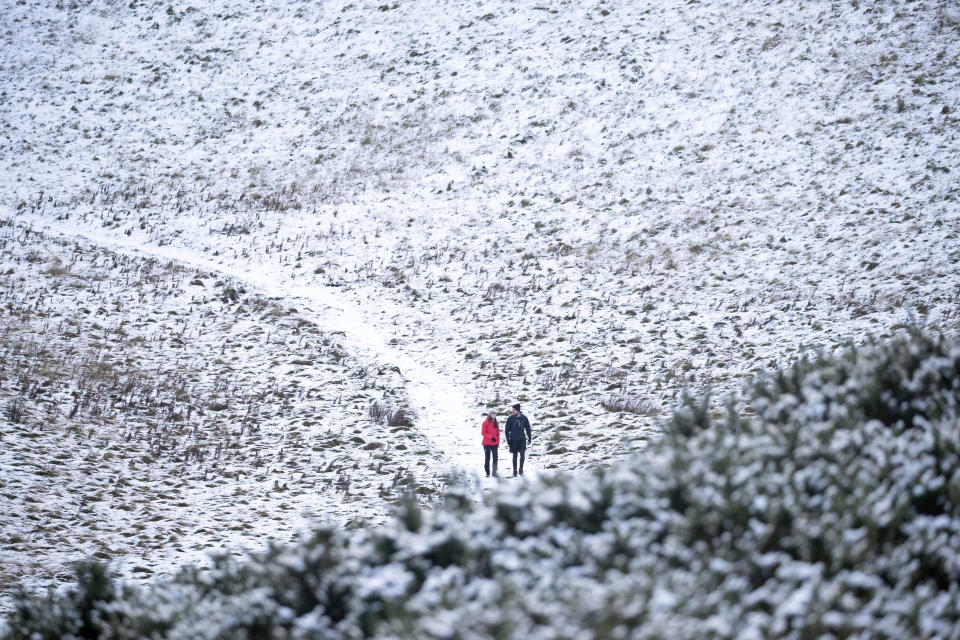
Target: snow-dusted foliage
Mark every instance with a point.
(831, 512)
(284, 212)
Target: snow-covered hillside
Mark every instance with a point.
(153, 413)
(834, 512)
(585, 206)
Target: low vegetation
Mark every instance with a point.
(142, 401)
(831, 510)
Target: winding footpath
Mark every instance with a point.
(443, 411)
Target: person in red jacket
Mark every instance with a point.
(491, 440)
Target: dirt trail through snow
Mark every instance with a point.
(444, 413)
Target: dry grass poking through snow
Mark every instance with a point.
(152, 414)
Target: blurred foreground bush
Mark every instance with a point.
(830, 512)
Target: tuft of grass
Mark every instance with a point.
(628, 404)
(393, 417)
(14, 411)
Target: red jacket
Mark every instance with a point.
(491, 431)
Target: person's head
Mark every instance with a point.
(492, 415)
(516, 409)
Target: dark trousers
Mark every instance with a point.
(523, 454)
(488, 451)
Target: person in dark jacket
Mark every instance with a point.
(491, 442)
(518, 437)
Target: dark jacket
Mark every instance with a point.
(514, 432)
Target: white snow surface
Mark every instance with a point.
(442, 409)
(587, 207)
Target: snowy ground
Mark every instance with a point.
(455, 206)
(155, 412)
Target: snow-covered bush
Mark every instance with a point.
(831, 512)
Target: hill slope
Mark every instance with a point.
(584, 206)
(832, 513)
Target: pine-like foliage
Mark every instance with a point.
(831, 512)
